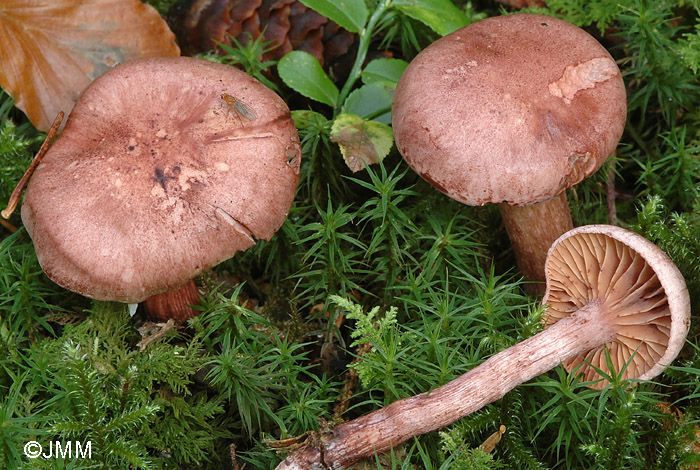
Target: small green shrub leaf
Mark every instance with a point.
(440, 15)
(350, 14)
(304, 118)
(361, 142)
(388, 70)
(372, 100)
(301, 72)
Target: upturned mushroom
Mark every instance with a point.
(166, 167)
(512, 110)
(608, 289)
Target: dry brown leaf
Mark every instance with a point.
(151, 332)
(50, 50)
(490, 443)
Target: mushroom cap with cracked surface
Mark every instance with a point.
(166, 167)
(509, 109)
(642, 293)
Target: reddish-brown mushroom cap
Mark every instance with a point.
(158, 176)
(510, 109)
(640, 290)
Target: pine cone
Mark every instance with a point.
(291, 25)
(522, 3)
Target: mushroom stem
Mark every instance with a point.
(532, 229)
(175, 304)
(388, 427)
(610, 190)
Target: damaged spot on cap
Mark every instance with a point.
(237, 225)
(583, 76)
(293, 154)
(162, 178)
(581, 166)
(460, 71)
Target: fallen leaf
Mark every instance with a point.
(490, 443)
(151, 332)
(361, 142)
(51, 50)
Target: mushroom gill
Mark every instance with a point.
(595, 268)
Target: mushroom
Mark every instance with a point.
(608, 289)
(638, 292)
(512, 110)
(166, 167)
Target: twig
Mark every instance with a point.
(8, 225)
(233, 458)
(350, 383)
(14, 197)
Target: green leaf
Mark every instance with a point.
(372, 99)
(301, 72)
(361, 142)
(304, 118)
(440, 15)
(388, 70)
(350, 14)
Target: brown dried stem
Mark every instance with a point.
(350, 383)
(17, 193)
(8, 225)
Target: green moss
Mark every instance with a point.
(378, 256)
